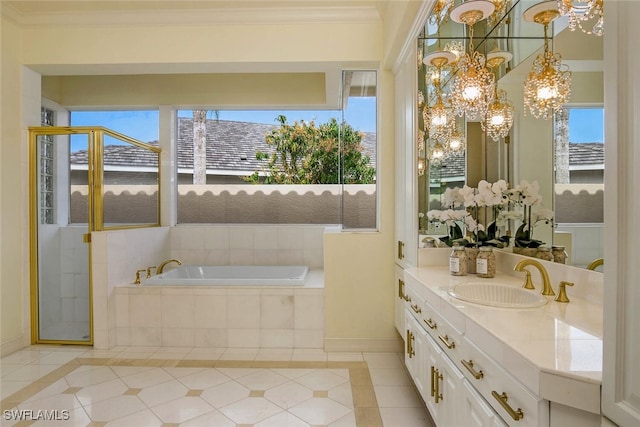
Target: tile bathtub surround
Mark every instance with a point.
(116, 388)
(220, 317)
(248, 244)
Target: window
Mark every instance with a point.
(281, 166)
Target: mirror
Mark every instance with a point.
(530, 151)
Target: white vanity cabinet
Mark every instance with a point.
(460, 385)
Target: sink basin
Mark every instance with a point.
(497, 295)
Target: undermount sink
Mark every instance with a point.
(497, 295)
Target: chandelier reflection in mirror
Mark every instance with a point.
(499, 118)
(584, 14)
(548, 84)
(472, 88)
(438, 117)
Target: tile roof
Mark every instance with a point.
(231, 146)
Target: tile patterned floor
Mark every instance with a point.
(149, 386)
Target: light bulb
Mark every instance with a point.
(470, 93)
(497, 120)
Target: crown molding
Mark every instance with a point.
(154, 17)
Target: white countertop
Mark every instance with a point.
(555, 350)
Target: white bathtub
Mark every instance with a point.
(231, 275)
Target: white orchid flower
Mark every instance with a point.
(468, 195)
(542, 215)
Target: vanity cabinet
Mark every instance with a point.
(451, 373)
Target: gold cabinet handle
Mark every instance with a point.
(437, 377)
(400, 248)
(469, 365)
(433, 374)
(445, 341)
(410, 350)
(407, 298)
(400, 288)
(416, 308)
(503, 399)
(430, 323)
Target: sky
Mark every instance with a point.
(143, 125)
(585, 124)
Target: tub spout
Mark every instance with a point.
(164, 263)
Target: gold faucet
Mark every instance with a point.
(546, 282)
(562, 291)
(595, 264)
(162, 265)
(137, 281)
(149, 271)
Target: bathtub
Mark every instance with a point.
(231, 275)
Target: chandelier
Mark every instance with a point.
(440, 11)
(584, 12)
(438, 117)
(548, 85)
(457, 142)
(436, 153)
(472, 88)
(499, 118)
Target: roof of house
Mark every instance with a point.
(588, 153)
(231, 146)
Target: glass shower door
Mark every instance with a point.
(63, 312)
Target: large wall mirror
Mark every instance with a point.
(563, 153)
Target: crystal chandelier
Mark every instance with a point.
(438, 117)
(457, 142)
(440, 11)
(436, 153)
(548, 85)
(472, 87)
(584, 12)
(499, 118)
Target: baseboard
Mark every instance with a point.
(393, 344)
(11, 346)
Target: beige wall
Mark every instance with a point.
(13, 219)
(358, 266)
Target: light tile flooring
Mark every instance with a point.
(144, 386)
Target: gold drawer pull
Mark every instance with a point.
(469, 365)
(430, 323)
(416, 308)
(407, 298)
(437, 378)
(445, 341)
(502, 398)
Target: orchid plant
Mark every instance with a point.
(463, 204)
(527, 195)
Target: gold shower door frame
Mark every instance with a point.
(95, 209)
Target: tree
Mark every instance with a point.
(200, 147)
(304, 153)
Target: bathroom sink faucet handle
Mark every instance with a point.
(149, 270)
(528, 283)
(562, 291)
(137, 281)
